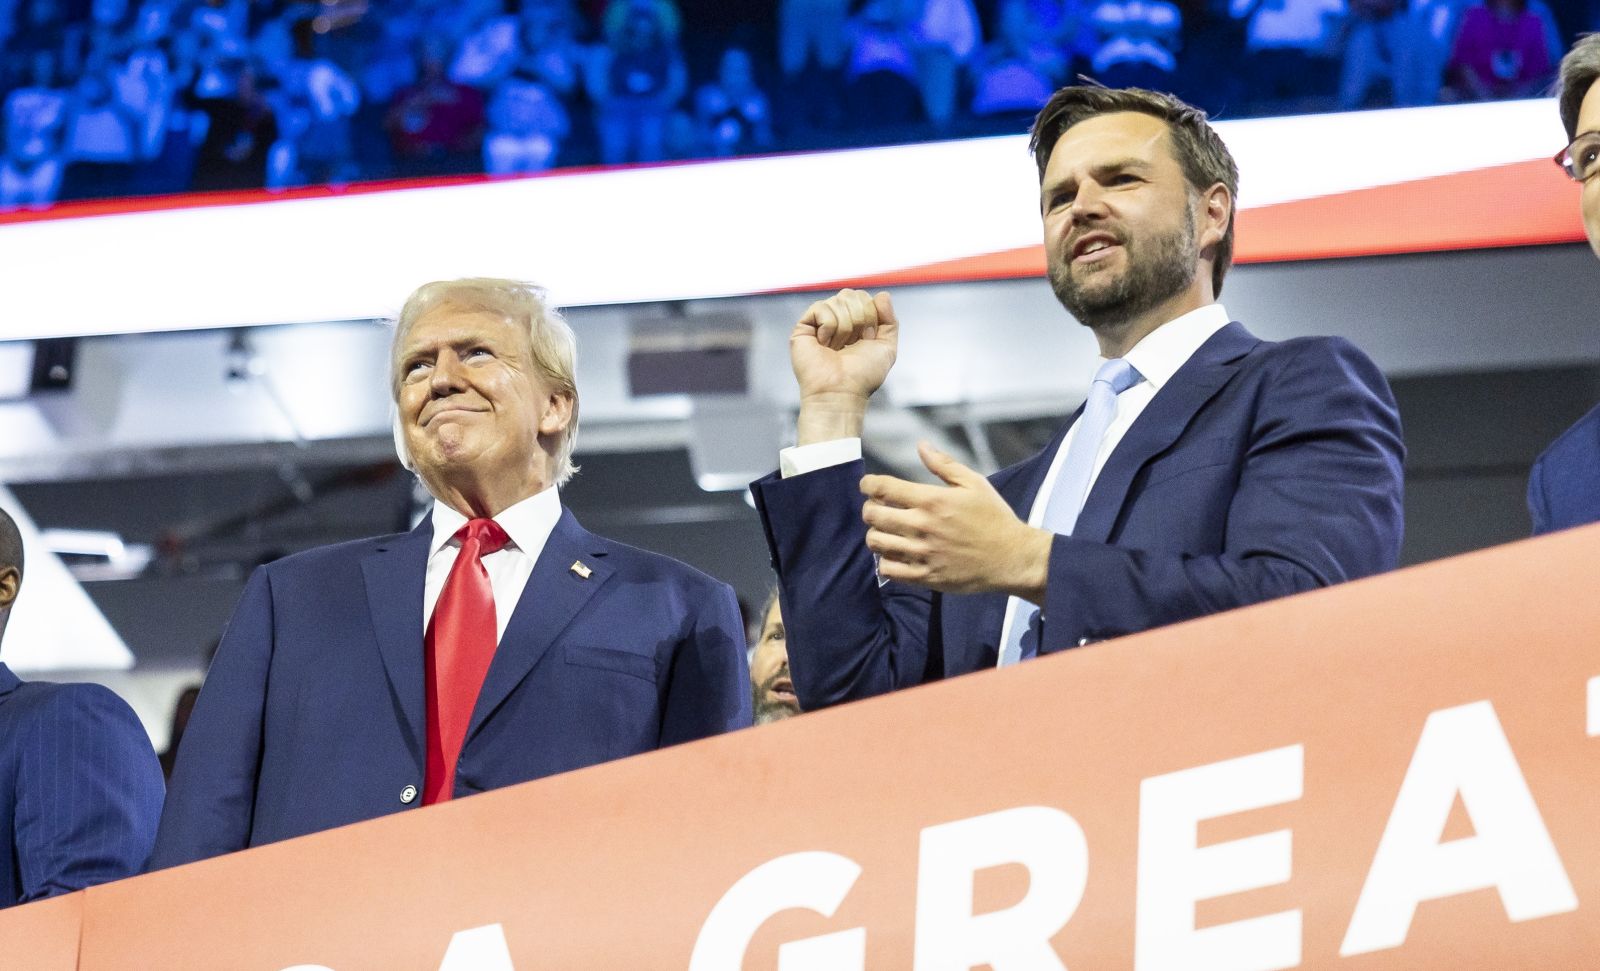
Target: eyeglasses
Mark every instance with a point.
(1581, 159)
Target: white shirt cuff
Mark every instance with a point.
(800, 459)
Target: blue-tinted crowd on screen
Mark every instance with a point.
(137, 97)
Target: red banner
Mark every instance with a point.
(42, 936)
(1396, 773)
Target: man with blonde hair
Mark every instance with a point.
(497, 642)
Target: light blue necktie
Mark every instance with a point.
(1071, 489)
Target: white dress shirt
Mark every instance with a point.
(528, 524)
(1157, 358)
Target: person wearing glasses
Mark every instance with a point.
(1564, 489)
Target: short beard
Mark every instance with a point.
(777, 711)
(772, 711)
(1150, 279)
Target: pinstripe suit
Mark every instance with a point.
(80, 789)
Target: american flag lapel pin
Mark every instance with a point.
(581, 569)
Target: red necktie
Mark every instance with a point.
(460, 645)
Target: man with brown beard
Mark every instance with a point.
(1208, 469)
(772, 689)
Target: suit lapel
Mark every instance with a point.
(395, 573)
(1021, 486)
(554, 596)
(1162, 421)
(1018, 486)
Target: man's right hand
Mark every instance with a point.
(841, 349)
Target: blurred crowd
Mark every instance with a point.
(135, 97)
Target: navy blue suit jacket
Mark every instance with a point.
(80, 789)
(312, 714)
(1564, 490)
(1260, 469)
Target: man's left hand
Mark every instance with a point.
(960, 537)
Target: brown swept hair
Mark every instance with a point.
(1200, 152)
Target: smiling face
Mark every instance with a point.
(769, 671)
(1121, 223)
(481, 426)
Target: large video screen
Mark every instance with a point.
(208, 163)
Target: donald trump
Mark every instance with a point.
(497, 642)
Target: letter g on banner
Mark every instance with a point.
(814, 880)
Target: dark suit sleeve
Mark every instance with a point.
(88, 793)
(708, 691)
(848, 637)
(1318, 501)
(211, 800)
(1538, 500)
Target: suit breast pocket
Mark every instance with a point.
(1210, 453)
(641, 666)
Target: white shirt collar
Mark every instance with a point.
(1159, 355)
(528, 523)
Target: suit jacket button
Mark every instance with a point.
(408, 795)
